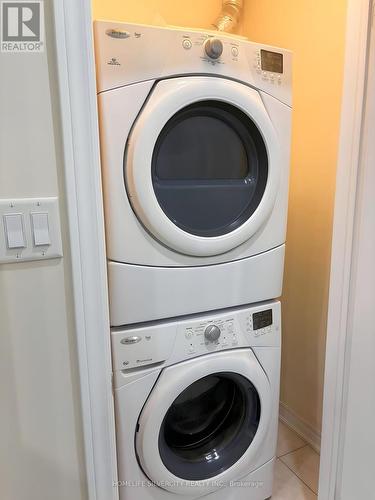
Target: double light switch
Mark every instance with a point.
(31, 229)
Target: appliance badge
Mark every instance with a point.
(113, 33)
(113, 62)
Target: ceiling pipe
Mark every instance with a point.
(229, 16)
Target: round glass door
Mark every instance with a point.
(209, 168)
(209, 426)
(202, 165)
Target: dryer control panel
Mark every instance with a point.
(130, 53)
(173, 341)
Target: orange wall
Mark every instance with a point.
(315, 31)
(194, 13)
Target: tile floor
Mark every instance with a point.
(297, 468)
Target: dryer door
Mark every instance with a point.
(202, 164)
(204, 422)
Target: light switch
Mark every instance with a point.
(31, 229)
(13, 226)
(40, 228)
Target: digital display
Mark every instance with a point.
(271, 61)
(262, 319)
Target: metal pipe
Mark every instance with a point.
(229, 16)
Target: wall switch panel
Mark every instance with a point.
(29, 229)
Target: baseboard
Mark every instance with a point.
(300, 427)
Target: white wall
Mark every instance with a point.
(356, 477)
(41, 452)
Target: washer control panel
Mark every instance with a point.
(210, 334)
(173, 341)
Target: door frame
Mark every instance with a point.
(78, 108)
(359, 20)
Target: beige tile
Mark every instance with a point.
(305, 463)
(287, 440)
(287, 486)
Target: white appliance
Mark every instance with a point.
(197, 405)
(195, 139)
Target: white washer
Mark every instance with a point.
(197, 405)
(195, 153)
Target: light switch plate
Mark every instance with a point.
(27, 206)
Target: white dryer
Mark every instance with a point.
(195, 139)
(197, 405)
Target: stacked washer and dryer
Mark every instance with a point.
(195, 138)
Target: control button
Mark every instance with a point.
(40, 227)
(234, 51)
(212, 333)
(187, 45)
(13, 225)
(188, 334)
(131, 340)
(191, 349)
(213, 48)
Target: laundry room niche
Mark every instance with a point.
(315, 33)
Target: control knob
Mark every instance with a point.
(212, 333)
(213, 48)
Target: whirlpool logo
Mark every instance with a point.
(22, 26)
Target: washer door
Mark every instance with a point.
(201, 165)
(204, 421)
